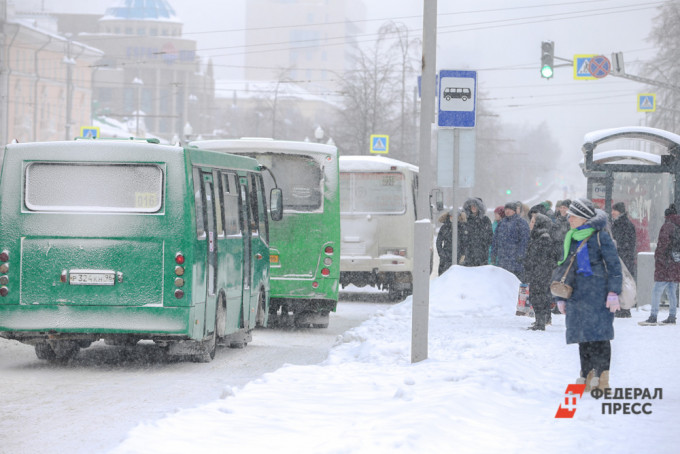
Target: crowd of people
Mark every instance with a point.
(531, 242)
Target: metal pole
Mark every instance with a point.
(454, 194)
(423, 228)
(69, 89)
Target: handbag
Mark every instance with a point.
(559, 286)
(628, 295)
(627, 298)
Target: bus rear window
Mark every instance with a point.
(299, 177)
(376, 192)
(78, 187)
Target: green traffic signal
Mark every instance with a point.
(547, 71)
(508, 191)
(547, 59)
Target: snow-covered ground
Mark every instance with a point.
(489, 386)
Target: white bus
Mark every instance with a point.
(377, 215)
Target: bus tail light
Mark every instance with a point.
(328, 261)
(315, 284)
(179, 272)
(325, 271)
(328, 250)
(273, 258)
(4, 268)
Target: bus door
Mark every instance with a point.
(246, 224)
(211, 234)
(232, 269)
(211, 259)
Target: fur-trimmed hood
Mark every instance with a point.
(599, 221)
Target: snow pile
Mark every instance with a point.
(488, 386)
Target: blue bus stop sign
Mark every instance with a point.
(457, 99)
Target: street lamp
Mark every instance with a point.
(318, 134)
(137, 81)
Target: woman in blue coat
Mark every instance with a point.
(590, 309)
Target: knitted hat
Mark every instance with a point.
(500, 211)
(511, 206)
(670, 210)
(582, 208)
(620, 207)
(564, 203)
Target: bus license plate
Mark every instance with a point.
(91, 277)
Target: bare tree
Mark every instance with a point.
(379, 78)
(665, 66)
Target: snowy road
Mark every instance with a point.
(90, 404)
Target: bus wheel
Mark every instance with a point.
(394, 294)
(261, 300)
(220, 318)
(65, 350)
(44, 351)
(313, 319)
(206, 349)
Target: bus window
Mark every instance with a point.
(261, 207)
(198, 202)
(230, 203)
(86, 187)
(299, 177)
(379, 192)
(254, 214)
(219, 223)
(210, 227)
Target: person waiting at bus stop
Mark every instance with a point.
(510, 242)
(666, 269)
(589, 311)
(625, 237)
(475, 234)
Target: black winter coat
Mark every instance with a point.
(444, 245)
(539, 262)
(475, 239)
(624, 234)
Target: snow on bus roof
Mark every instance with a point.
(359, 163)
(263, 144)
(660, 136)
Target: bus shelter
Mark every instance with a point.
(638, 166)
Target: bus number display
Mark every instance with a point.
(146, 200)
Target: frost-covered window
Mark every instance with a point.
(300, 178)
(372, 192)
(80, 187)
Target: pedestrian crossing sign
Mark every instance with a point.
(380, 143)
(646, 102)
(581, 67)
(89, 132)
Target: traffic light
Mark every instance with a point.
(547, 59)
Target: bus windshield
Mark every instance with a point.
(86, 187)
(372, 192)
(299, 177)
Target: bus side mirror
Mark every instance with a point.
(276, 201)
(438, 199)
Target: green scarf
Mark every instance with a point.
(576, 234)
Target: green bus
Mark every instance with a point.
(305, 245)
(129, 240)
